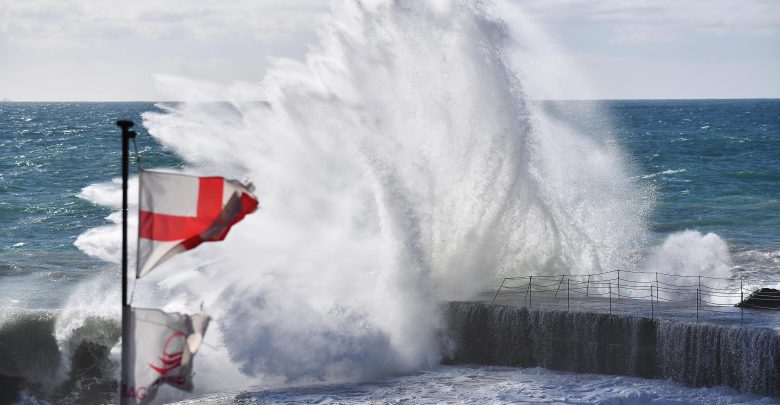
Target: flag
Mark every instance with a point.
(160, 347)
(179, 212)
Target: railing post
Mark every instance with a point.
(526, 294)
(568, 293)
(530, 290)
(499, 290)
(610, 298)
(699, 284)
(587, 287)
(741, 303)
(559, 286)
(697, 305)
(618, 286)
(657, 293)
(652, 306)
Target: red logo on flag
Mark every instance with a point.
(169, 361)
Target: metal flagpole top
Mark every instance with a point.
(125, 124)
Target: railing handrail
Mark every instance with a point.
(595, 286)
(733, 278)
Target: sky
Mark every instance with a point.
(112, 50)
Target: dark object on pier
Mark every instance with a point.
(765, 298)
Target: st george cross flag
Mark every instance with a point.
(160, 351)
(179, 212)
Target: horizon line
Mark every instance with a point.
(4, 100)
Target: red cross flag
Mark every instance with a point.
(160, 352)
(179, 212)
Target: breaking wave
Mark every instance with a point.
(400, 164)
(76, 369)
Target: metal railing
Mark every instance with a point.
(653, 292)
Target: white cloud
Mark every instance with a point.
(155, 19)
(110, 49)
(663, 20)
(667, 48)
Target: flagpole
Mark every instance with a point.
(127, 134)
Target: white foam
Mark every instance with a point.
(399, 165)
(665, 173)
(480, 385)
(109, 194)
(693, 254)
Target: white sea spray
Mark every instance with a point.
(400, 164)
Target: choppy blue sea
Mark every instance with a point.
(715, 166)
(714, 163)
(48, 153)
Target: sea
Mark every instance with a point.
(713, 167)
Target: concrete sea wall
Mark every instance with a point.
(694, 354)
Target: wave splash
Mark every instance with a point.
(401, 164)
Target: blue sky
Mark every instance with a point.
(111, 50)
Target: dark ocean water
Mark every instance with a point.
(714, 163)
